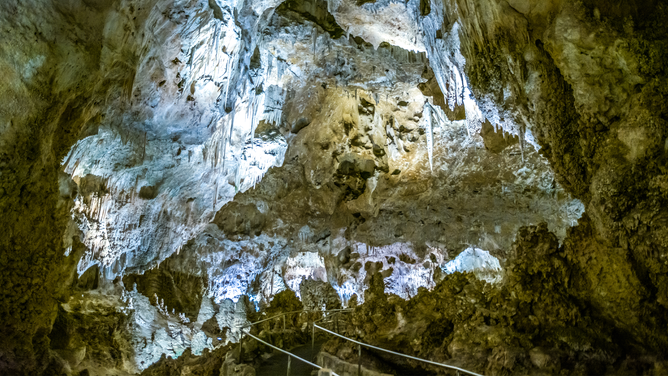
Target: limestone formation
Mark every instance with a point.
(485, 182)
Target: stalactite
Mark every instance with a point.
(430, 135)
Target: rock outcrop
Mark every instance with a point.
(540, 320)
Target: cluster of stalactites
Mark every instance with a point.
(447, 62)
(230, 96)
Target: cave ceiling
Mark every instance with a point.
(166, 164)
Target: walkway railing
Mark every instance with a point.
(282, 315)
(290, 355)
(315, 326)
(359, 352)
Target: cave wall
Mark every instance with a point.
(59, 63)
(587, 79)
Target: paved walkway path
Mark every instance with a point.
(278, 363)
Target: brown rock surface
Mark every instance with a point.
(537, 321)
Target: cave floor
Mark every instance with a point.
(277, 364)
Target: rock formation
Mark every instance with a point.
(487, 181)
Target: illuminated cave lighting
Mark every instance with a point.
(255, 299)
(305, 265)
(232, 285)
(480, 262)
(346, 291)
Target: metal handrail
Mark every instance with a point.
(360, 344)
(342, 310)
(289, 354)
(293, 312)
(271, 318)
